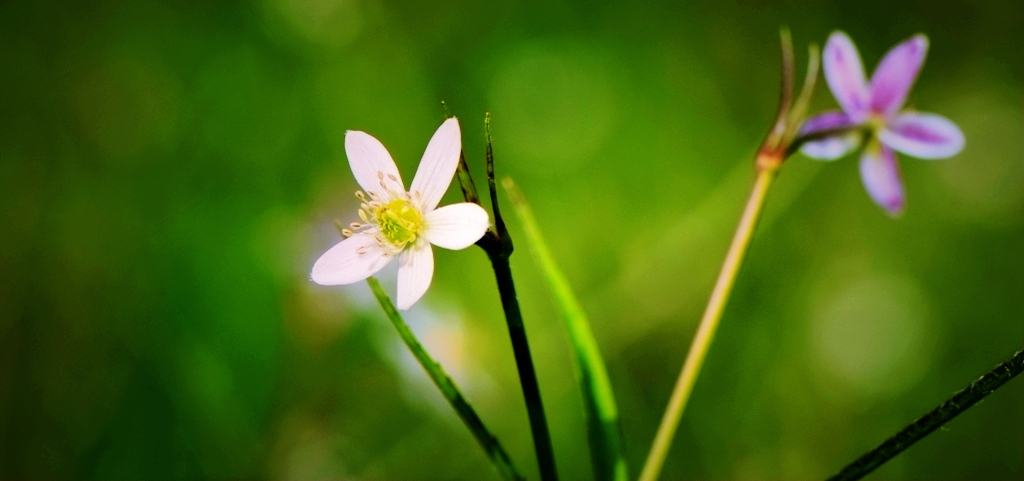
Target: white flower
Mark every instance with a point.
(400, 223)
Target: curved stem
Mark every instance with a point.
(928, 423)
(498, 455)
(708, 325)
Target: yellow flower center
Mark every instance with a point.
(876, 123)
(399, 222)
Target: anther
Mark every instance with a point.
(347, 232)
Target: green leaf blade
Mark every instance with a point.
(502, 461)
(606, 448)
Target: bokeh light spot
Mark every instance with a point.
(986, 178)
(328, 23)
(557, 104)
(872, 335)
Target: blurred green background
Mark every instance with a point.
(170, 170)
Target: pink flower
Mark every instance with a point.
(400, 223)
(875, 107)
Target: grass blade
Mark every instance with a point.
(487, 440)
(606, 450)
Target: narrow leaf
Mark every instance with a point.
(606, 449)
(494, 450)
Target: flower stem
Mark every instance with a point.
(928, 423)
(498, 455)
(708, 324)
(524, 363)
(497, 243)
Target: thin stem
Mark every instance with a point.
(799, 141)
(492, 187)
(924, 426)
(708, 325)
(497, 244)
(607, 453)
(466, 180)
(524, 363)
(799, 109)
(785, 85)
(498, 455)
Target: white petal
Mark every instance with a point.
(438, 165)
(351, 260)
(926, 136)
(456, 226)
(415, 270)
(372, 165)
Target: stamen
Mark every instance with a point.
(347, 232)
(399, 223)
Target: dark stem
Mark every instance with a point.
(466, 181)
(498, 249)
(819, 135)
(499, 222)
(527, 373)
(946, 411)
(497, 243)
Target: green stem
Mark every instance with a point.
(708, 325)
(491, 446)
(606, 447)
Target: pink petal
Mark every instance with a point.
(438, 165)
(832, 147)
(372, 165)
(351, 260)
(896, 73)
(456, 226)
(881, 177)
(415, 271)
(927, 136)
(845, 75)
